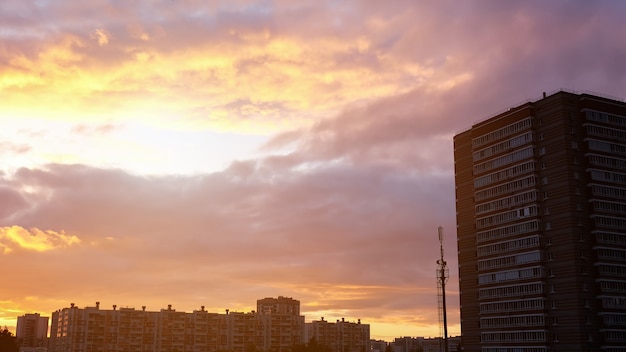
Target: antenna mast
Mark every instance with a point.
(442, 277)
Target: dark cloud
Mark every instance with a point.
(12, 202)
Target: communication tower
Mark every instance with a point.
(442, 277)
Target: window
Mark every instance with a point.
(515, 336)
(508, 246)
(505, 174)
(512, 306)
(503, 160)
(508, 202)
(514, 142)
(513, 321)
(507, 231)
(607, 191)
(511, 290)
(505, 217)
(506, 188)
(502, 132)
(542, 151)
(510, 275)
(522, 258)
(606, 132)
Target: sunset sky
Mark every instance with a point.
(195, 152)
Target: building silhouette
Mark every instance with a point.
(541, 226)
(281, 324)
(276, 326)
(340, 336)
(32, 332)
(422, 344)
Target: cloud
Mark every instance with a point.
(12, 202)
(101, 36)
(341, 210)
(257, 228)
(14, 237)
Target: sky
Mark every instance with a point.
(212, 153)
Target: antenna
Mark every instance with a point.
(442, 277)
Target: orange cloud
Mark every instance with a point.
(101, 36)
(14, 237)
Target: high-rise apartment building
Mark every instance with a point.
(541, 226)
(32, 331)
(281, 324)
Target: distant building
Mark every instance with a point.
(407, 344)
(421, 344)
(378, 345)
(341, 336)
(436, 344)
(280, 323)
(32, 332)
(541, 227)
(92, 329)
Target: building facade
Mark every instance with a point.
(541, 227)
(422, 344)
(280, 323)
(341, 336)
(32, 332)
(92, 329)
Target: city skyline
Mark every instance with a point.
(202, 153)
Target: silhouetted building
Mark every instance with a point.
(541, 226)
(378, 345)
(422, 344)
(280, 322)
(32, 332)
(92, 329)
(341, 336)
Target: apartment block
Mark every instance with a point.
(32, 332)
(422, 344)
(281, 324)
(541, 227)
(92, 329)
(340, 336)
